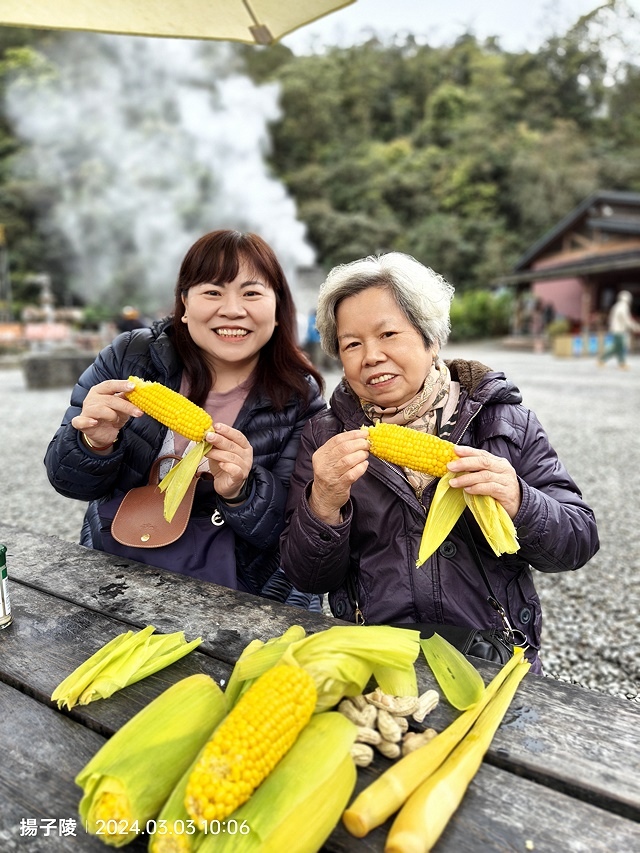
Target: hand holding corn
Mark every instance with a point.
(105, 410)
(481, 473)
(336, 466)
(230, 460)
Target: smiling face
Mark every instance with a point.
(384, 357)
(231, 322)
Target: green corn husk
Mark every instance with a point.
(386, 794)
(458, 678)
(124, 660)
(446, 508)
(129, 779)
(426, 813)
(178, 479)
(298, 805)
(257, 658)
(179, 831)
(235, 685)
(342, 659)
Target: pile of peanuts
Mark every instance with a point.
(382, 723)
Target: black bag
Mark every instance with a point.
(492, 644)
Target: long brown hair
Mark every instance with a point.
(282, 366)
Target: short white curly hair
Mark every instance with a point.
(422, 294)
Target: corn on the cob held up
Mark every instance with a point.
(410, 448)
(170, 408)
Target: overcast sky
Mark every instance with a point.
(520, 24)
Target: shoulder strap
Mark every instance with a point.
(516, 636)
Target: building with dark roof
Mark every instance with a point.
(577, 268)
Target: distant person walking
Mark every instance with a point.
(621, 323)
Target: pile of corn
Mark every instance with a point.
(268, 760)
(421, 451)
(268, 752)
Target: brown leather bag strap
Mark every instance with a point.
(154, 473)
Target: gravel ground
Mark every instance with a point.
(591, 617)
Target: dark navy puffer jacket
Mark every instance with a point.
(371, 555)
(76, 472)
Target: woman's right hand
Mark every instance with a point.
(105, 411)
(336, 467)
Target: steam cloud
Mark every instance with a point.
(146, 144)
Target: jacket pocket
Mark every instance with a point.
(525, 610)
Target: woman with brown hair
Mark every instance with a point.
(230, 347)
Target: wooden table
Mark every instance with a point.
(563, 772)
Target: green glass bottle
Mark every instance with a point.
(5, 605)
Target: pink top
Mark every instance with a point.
(223, 406)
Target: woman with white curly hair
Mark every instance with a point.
(354, 522)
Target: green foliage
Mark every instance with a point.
(478, 314)
(460, 155)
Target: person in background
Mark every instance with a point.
(313, 347)
(230, 347)
(621, 324)
(354, 522)
(129, 319)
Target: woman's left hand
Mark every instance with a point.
(481, 473)
(230, 460)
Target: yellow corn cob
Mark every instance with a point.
(251, 740)
(299, 804)
(404, 446)
(429, 454)
(170, 408)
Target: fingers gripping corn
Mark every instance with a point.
(251, 740)
(404, 446)
(170, 408)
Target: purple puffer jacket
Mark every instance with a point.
(371, 555)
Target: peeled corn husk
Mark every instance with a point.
(446, 508)
(127, 658)
(427, 811)
(341, 660)
(494, 521)
(458, 678)
(178, 479)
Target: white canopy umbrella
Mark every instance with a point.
(249, 21)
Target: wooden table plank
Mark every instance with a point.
(573, 740)
(143, 595)
(41, 753)
(50, 637)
